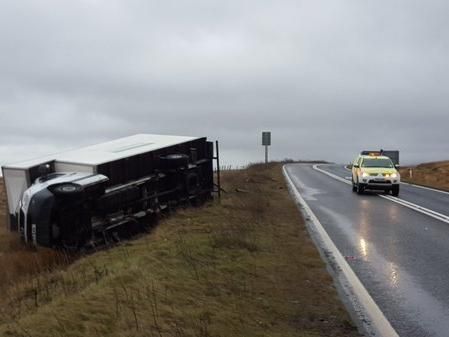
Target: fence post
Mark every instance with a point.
(217, 149)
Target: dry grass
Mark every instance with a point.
(18, 262)
(429, 174)
(244, 266)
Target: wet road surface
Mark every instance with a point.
(401, 256)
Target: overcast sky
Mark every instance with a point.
(328, 78)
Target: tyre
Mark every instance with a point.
(395, 191)
(66, 189)
(354, 187)
(192, 183)
(174, 161)
(360, 189)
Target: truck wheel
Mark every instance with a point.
(192, 183)
(66, 189)
(174, 161)
(395, 191)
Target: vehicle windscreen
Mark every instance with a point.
(377, 162)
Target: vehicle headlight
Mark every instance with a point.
(394, 175)
(364, 174)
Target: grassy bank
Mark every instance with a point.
(18, 262)
(244, 266)
(428, 174)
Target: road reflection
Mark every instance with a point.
(394, 274)
(363, 248)
(367, 251)
(365, 225)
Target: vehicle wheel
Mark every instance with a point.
(174, 161)
(192, 183)
(354, 187)
(66, 189)
(395, 191)
(360, 189)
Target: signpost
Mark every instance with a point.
(266, 141)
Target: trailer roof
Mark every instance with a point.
(108, 151)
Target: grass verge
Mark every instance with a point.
(434, 175)
(18, 262)
(242, 266)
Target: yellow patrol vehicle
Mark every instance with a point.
(375, 171)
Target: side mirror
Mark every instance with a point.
(44, 169)
(397, 166)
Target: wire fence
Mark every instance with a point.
(230, 167)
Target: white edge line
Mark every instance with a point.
(417, 208)
(408, 204)
(377, 319)
(425, 188)
(343, 180)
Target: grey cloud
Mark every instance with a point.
(327, 77)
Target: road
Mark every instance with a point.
(400, 255)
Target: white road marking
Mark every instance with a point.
(316, 168)
(415, 207)
(425, 188)
(377, 320)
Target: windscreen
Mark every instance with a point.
(377, 162)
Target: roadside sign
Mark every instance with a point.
(266, 141)
(266, 138)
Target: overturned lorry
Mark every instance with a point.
(91, 196)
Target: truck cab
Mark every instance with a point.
(55, 208)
